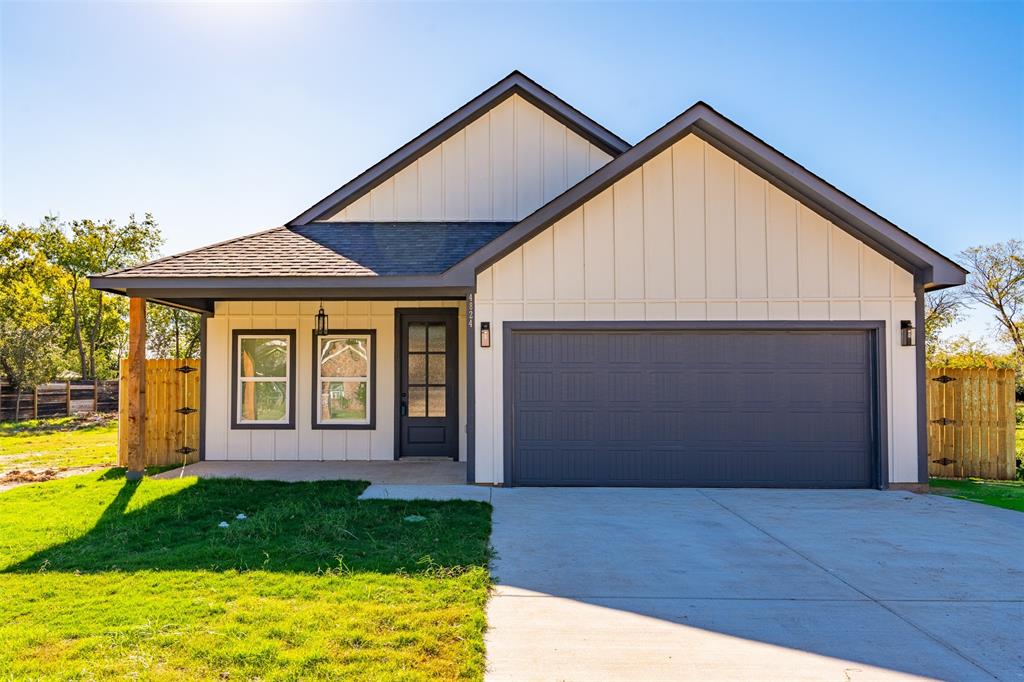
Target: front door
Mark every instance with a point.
(428, 400)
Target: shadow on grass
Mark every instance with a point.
(289, 527)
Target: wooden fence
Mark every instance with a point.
(971, 423)
(172, 412)
(58, 399)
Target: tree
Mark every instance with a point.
(963, 352)
(996, 281)
(171, 332)
(25, 276)
(84, 248)
(29, 355)
(941, 309)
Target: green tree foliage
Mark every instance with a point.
(171, 332)
(963, 352)
(30, 352)
(94, 324)
(941, 310)
(26, 278)
(29, 355)
(996, 281)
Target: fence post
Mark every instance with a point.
(95, 395)
(67, 385)
(35, 403)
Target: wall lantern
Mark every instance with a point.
(485, 334)
(321, 321)
(906, 333)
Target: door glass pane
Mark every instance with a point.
(417, 402)
(345, 357)
(343, 400)
(436, 340)
(417, 336)
(417, 368)
(264, 357)
(436, 397)
(263, 400)
(437, 365)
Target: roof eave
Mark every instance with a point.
(285, 288)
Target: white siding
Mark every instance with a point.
(693, 235)
(502, 166)
(303, 442)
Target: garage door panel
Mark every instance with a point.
(578, 426)
(578, 386)
(626, 387)
(692, 408)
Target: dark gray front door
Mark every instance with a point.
(692, 408)
(428, 399)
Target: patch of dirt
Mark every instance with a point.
(12, 479)
(87, 421)
(41, 427)
(30, 476)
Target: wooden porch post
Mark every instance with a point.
(135, 400)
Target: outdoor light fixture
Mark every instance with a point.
(906, 333)
(485, 334)
(321, 321)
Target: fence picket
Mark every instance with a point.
(168, 390)
(979, 439)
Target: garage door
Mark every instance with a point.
(777, 408)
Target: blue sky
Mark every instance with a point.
(226, 119)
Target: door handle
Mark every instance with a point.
(403, 409)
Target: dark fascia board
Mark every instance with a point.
(199, 287)
(199, 293)
(171, 299)
(931, 267)
(514, 84)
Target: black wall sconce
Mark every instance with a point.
(485, 334)
(321, 321)
(906, 333)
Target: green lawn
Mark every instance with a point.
(102, 578)
(1006, 494)
(61, 442)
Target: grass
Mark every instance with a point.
(55, 443)
(1020, 430)
(1006, 494)
(101, 579)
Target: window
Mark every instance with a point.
(264, 369)
(343, 381)
(428, 356)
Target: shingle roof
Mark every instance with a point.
(330, 250)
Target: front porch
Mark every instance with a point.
(431, 471)
(381, 394)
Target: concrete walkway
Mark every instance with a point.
(420, 471)
(628, 584)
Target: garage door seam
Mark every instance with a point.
(807, 558)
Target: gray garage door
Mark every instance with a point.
(691, 408)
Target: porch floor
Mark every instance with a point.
(421, 471)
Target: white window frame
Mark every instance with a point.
(369, 379)
(240, 381)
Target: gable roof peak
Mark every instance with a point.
(515, 83)
(931, 269)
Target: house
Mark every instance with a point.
(520, 289)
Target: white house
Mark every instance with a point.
(520, 289)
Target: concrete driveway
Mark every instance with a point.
(602, 584)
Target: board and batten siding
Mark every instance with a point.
(502, 166)
(304, 442)
(694, 235)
